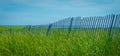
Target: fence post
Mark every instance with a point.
(71, 21)
(108, 42)
(48, 30)
(29, 27)
(111, 27)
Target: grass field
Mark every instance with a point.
(80, 42)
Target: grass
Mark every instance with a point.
(80, 42)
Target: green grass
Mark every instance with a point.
(2, 28)
(80, 42)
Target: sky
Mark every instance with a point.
(41, 12)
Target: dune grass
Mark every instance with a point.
(80, 42)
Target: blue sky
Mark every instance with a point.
(37, 12)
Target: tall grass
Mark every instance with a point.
(80, 42)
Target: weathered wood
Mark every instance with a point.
(48, 30)
(69, 29)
